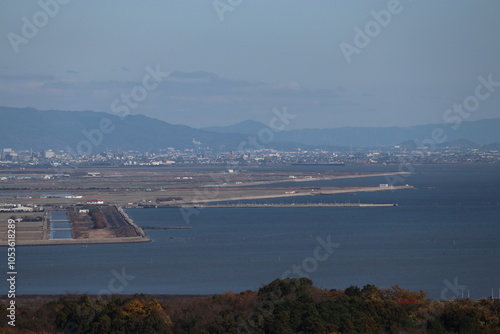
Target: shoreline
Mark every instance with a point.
(120, 228)
(312, 179)
(43, 297)
(140, 232)
(324, 192)
(60, 242)
(295, 205)
(141, 236)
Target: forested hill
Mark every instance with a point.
(283, 306)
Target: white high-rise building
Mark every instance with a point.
(49, 154)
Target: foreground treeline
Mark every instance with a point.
(283, 306)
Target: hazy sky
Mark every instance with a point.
(232, 60)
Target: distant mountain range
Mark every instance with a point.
(30, 128)
(24, 128)
(477, 133)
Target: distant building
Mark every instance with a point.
(48, 154)
(384, 185)
(83, 211)
(4, 207)
(22, 209)
(95, 201)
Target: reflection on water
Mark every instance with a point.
(60, 227)
(59, 215)
(60, 234)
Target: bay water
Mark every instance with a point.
(443, 238)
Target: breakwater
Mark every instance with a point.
(291, 205)
(140, 232)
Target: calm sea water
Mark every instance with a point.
(435, 240)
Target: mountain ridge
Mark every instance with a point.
(480, 132)
(23, 128)
(92, 132)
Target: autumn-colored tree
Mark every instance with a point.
(283, 306)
